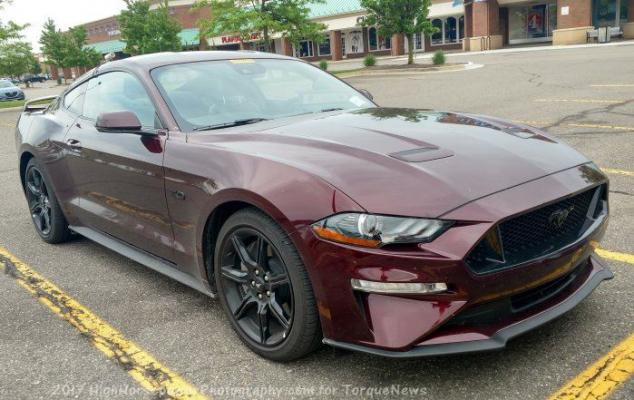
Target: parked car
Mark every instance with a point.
(34, 78)
(312, 213)
(9, 91)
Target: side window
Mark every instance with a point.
(74, 100)
(119, 91)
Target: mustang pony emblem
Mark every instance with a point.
(559, 217)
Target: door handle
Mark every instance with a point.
(74, 144)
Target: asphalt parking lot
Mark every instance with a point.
(583, 96)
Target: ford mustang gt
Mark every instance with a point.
(311, 213)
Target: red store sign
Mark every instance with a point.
(237, 39)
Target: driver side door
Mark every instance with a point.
(119, 177)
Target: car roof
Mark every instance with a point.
(150, 61)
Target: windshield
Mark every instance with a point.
(217, 94)
(5, 84)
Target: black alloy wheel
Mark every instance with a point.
(264, 287)
(39, 202)
(45, 211)
(257, 287)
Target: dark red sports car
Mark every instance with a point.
(311, 213)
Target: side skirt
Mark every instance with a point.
(148, 260)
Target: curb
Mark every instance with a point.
(412, 71)
(11, 109)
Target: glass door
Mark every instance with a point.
(532, 23)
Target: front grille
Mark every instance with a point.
(537, 233)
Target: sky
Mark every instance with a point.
(65, 13)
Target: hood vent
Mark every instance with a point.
(422, 154)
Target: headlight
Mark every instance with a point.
(377, 230)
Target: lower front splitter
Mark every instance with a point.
(500, 338)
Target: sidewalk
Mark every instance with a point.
(356, 63)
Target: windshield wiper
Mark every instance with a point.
(331, 109)
(237, 122)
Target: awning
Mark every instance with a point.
(189, 37)
(344, 22)
(446, 9)
(334, 7)
(111, 46)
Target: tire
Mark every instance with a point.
(236, 282)
(46, 214)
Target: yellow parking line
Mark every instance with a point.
(615, 256)
(617, 171)
(594, 126)
(138, 363)
(530, 122)
(602, 377)
(615, 85)
(590, 101)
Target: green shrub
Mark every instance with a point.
(439, 58)
(369, 60)
(323, 64)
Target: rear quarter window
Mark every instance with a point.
(74, 100)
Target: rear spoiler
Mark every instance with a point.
(39, 104)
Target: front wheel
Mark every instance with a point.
(264, 288)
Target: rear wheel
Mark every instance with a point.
(45, 211)
(264, 288)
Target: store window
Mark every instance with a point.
(449, 30)
(260, 47)
(418, 41)
(324, 47)
(624, 11)
(609, 12)
(304, 49)
(532, 23)
(436, 37)
(376, 42)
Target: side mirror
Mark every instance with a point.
(119, 122)
(366, 93)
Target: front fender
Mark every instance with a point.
(199, 179)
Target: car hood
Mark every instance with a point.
(404, 161)
(10, 90)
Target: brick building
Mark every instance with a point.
(471, 25)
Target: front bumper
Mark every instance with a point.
(427, 324)
(499, 339)
(19, 96)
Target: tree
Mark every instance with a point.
(54, 45)
(406, 17)
(11, 30)
(93, 57)
(148, 31)
(67, 49)
(35, 67)
(261, 19)
(16, 58)
(77, 53)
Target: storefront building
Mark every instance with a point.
(471, 25)
(497, 23)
